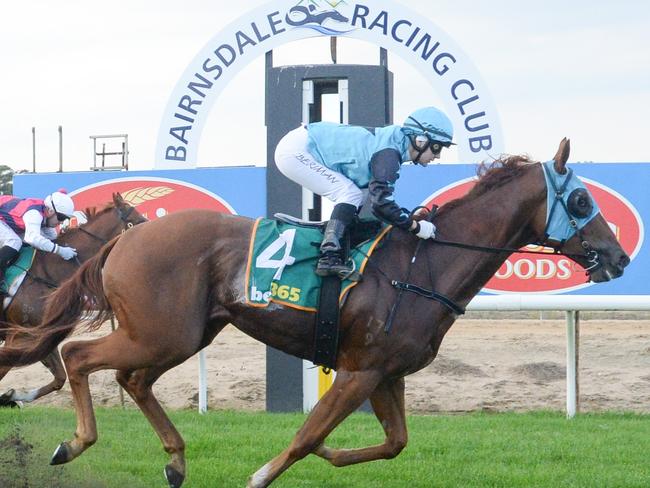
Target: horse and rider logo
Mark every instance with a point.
(314, 15)
(554, 273)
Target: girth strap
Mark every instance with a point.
(447, 302)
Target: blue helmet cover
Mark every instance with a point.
(436, 124)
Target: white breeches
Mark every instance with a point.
(296, 163)
(9, 238)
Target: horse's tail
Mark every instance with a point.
(64, 308)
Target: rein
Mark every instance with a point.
(498, 250)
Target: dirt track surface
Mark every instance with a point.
(495, 365)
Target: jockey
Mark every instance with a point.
(35, 219)
(336, 161)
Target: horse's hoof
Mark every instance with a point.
(60, 455)
(174, 478)
(6, 399)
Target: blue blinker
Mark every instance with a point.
(569, 205)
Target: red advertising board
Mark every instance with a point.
(153, 197)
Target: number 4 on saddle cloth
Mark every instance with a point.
(282, 261)
(15, 274)
(281, 268)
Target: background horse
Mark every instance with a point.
(175, 283)
(47, 272)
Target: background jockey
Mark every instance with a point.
(35, 220)
(336, 161)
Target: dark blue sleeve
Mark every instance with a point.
(384, 169)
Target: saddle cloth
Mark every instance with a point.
(282, 261)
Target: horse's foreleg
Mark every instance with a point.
(388, 404)
(138, 385)
(52, 362)
(348, 392)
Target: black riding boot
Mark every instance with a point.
(7, 255)
(331, 260)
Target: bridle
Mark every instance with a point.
(558, 191)
(589, 252)
(123, 215)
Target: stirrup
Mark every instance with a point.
(332, 265)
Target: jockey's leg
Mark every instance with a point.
(332, 249)
(7, 255)
(293, 159)
(10, 244)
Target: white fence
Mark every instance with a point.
(571, 304)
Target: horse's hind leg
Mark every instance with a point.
(81, 358)
(388, 404)
(138, 384)
(348, 392)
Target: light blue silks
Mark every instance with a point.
(558, 188)
(347, 149)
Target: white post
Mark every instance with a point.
(203, 384)
(573, 341)
(309, 385)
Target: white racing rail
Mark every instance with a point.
(571, 304)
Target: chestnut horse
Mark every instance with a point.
(26, 307)
(175, 283)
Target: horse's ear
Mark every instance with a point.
(562, 155)
(118, 200)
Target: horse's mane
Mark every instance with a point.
(491, 175)
(91, 213)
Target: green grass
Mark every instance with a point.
(540, 449)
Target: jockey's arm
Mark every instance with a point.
(384, 169)
(49, 233)
(33, 222)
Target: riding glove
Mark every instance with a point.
(65, 252)
(425, 230)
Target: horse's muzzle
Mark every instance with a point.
(611, 268)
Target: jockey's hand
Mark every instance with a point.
(66, 252)
(425, 230)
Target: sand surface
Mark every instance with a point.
(495, 365)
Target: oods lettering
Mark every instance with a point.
(538, 269)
